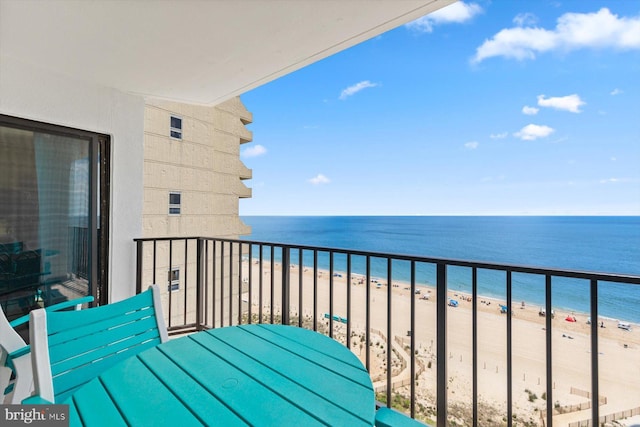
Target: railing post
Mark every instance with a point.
(413, 339)
(286, 284)
(139, 254)
(474, 326)
(200, 263)
(549, 356)
(169, 281)
(509, 351)
(390, 333)
(441, 339)
(595, 392)
(240, 278)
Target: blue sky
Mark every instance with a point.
(484, 108)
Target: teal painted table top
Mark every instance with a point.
(261, 375)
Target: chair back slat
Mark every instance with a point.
(85, 330)
(72, 355)
(69, 322)
(72, 348)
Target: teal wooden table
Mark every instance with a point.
(261, 375)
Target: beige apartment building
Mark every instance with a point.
(193, 176)
(193, 182)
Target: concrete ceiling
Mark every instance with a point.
(195, 51)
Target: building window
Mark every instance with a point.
(174, 280)
(174, 203)
(176, 127)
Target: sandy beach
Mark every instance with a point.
(619, 350)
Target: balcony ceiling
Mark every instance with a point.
(194, 51)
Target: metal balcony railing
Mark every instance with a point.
(213, 282)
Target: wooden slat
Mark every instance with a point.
(310, 375)
(84, 410)
(329, 354)
(302, 337)
(247, 397)
(142, 397)
(75, 319)
(139, 331)
(82, 330)
(74, 418)
(204, 405)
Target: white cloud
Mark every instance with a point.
(255, 151)
(353, 89)
(532, 132)
(319, 179)
(530, 111)
(525, 20)
(471, 145)
(616, 91)
(570, 103)
(573, 31)
(613, 159)
(610, 181)
(458, 12)
(501, 135)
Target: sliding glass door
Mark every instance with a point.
(53, 214)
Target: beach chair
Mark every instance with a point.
(68, 349)
(15, 354)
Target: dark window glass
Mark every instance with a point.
(174, 198)
(176, 123)
(174, 279)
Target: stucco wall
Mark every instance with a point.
(204, 166)
(42, 95)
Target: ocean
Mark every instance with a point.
(600, 244)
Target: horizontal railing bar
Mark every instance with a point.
(544, 271)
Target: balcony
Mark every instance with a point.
(457, 357)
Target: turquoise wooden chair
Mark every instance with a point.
(68, 349)
(15, 354)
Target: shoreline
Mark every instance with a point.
(494, 299)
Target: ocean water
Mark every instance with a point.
(600, 244)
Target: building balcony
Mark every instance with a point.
(436, 347)
(244, 172)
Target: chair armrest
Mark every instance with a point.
(55, 307)
(70, 303)
(36, 400)
(15, 354)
